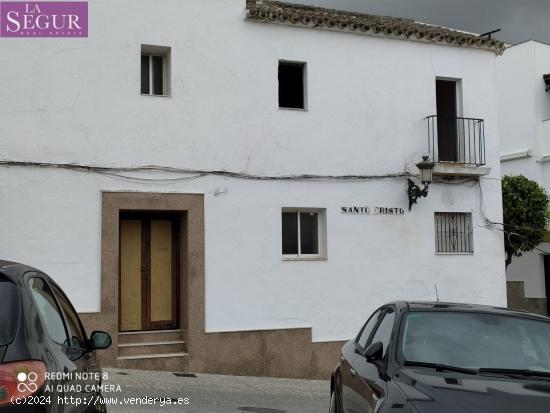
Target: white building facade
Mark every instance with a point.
(276, 219)
(524, 113)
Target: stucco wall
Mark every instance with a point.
(524, 112)
(78, 101)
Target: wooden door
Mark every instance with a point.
(149, 263)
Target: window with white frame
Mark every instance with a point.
(303, 233)
(454, 233)
(155, 70)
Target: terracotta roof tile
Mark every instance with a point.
(271, 11)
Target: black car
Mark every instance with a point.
(47, 363)
(442, 357)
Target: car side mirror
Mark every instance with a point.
(375, 352)
(100, 340)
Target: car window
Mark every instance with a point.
(78, 338)
(367, 329)
(48, 309)
(385, 329)
(9, 310)
(484, 340)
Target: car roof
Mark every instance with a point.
(449, 306)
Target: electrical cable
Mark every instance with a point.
(197, 173)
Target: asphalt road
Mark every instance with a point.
(134, 391)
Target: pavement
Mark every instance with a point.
(159, 392)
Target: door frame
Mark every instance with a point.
(546, 270)
(146, 217)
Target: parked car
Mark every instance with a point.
(47, 362)
(440, 357)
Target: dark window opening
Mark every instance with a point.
(300, 233)
(290, 233)
(145, 78)
(158, 75)
(309, 233)
(292, 85)
(152, 75)
(446, 101)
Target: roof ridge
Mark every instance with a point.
(273, 11)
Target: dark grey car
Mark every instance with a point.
(414, 357)
(47, 362)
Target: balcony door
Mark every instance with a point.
(149, 263)
(447, 122)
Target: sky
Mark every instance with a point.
(519, 20)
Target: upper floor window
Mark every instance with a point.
(292, 85)
(155, 70)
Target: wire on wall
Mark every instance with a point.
(121, 172)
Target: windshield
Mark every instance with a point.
(8, 310)
(474, 340)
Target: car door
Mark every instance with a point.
(366, 382)
(55, 331)
(352, 354)
(370, 377)
(84, 361)
(59, 342)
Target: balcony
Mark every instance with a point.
(457, 146)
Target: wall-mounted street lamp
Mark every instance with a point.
(426, 176)
(547, 81)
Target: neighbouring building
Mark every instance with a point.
(523, 74)
(222, 185)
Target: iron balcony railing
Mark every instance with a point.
(456, 140)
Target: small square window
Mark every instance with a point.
(292, 85)
(454, 233)
(155, 70)
(303, 233)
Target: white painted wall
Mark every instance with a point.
(530, 269)
(524, 116)
(77, 100)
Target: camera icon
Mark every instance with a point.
(27, 381)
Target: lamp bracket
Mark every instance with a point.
(415, 192)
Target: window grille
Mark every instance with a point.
(454, 233)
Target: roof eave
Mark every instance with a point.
(269, 11)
